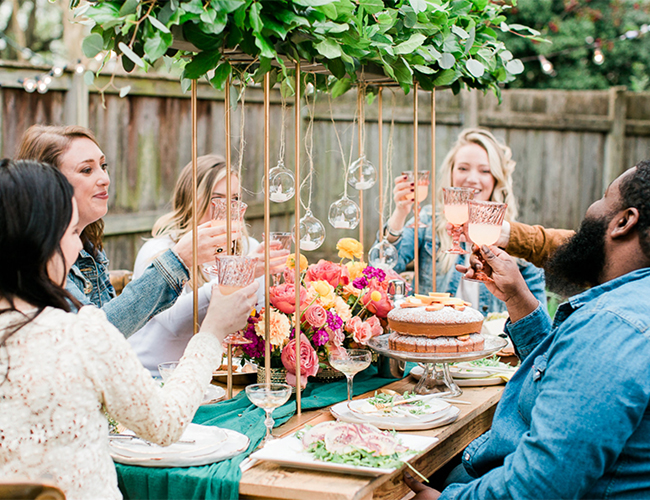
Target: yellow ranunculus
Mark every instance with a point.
(322, 288)
(375, 296)
(355, 268)
(291, 262)
(349, 248)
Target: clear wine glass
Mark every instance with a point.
(456, 210)
(285, 240)
(422, 186)
(484, 227)
(234, 272)
(268, 397)
(350, 362)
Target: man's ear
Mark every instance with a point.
(624, 222)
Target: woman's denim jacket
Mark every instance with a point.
(156, 290)
(449, 282)
(574, 421)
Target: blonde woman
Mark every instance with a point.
(166, 335)
(477, 160)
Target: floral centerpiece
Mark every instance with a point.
(342, 305)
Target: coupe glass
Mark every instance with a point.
(456, 210)
(285, 240)
(350, 362)
(234, 272)
(268, 397)
(237, 210)
(422, 186)
(484, 227)
(166, 369)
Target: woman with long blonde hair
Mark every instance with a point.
(479, 161)
(164, 337)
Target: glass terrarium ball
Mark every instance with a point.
(362, 174)
(312, 232)
(383, 255)
(344, 214)
(282, 183)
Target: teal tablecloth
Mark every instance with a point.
(221, 480)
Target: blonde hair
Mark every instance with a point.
(501, 167)
(211, 169)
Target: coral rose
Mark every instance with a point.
(279, 326)
(283, 297)
(379, 307)
(316, 315)
(349, 248)
(308, 361)
(375, 325)
(334, 274)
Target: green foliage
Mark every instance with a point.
(576, 29)
(434, 42)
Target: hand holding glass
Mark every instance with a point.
(350, 362)
(285, 240)
(484, 227)
(456, 210)
(234, 272)
(268, 397)
(422, 186)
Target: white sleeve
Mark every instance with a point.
(179, 317)
(149, 251)
(130, 395)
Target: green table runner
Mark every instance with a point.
(221, 480)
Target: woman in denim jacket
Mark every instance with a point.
(74, 151)
(477, 160)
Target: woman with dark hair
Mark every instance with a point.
(75, 152)
(57, 369)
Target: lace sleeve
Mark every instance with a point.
(129, 393)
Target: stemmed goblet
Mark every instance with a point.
(456, 210)
(422, 185)
(234, 272)
(484, 227)
(268, 397)
(285, 240)
(220, 211)
(350, 362)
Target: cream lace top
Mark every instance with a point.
(62, 368)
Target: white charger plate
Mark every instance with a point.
(210, 444)
(488, 380)
(341, 412)
(435, 405)
(289, 451)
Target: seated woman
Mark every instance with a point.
(477, 160)
(164, 337)
(75, 152)
(58, 369)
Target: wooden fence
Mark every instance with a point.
(567, 144)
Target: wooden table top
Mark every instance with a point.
(271, 481)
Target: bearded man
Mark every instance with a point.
(574, 421)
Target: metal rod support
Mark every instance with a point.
(297, 236)
(194, 275)
(433, 183)
(416, 229)
(267, 229)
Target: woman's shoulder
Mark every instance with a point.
(151, 249)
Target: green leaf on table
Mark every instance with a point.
(447, 61)
(89, 78)
(201, 64)
(92, 45)
(201, 40)
(328, 48)
(129, 7)
(125, 90)
(221, 74)
(263, 68)
(157, 24)
(130, 54)
(403, 71)
(256, 20)
(475, 67)
(290, 18)
(515, 67)
(411, 44)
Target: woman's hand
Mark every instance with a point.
(421, 491)
(229, 313)
(277, 257)
(212, 237)
(403, 195)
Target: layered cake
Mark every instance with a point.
(435, 324)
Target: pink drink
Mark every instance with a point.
(457, 214)
(484, 234)
(228, 289)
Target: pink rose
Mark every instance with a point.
(316, 315)
(336, 349)
(283, 297)
(337, 337)
(362, 333)
(289, 275)
(375, 326)
(308, 361)
(352, 324)
(379, 307)
(334, 274)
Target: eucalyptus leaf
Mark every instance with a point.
(418, 5)
(157, 24)
(423, 69)
(372, 6)
(92, 45)
(130, 54)
(475, 67)
(447, 61)
(506, 56)
(445, 78)
(103, 12)
(89, 78)
(328, 48)
(125, 90)
(515, 67)
(411, 44)
(459, 32)
(129, 7)
(469, 43)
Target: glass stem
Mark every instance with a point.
(269, 424)
(349, 377)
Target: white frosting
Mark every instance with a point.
(446, 315)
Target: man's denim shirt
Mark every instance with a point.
(450, 281)
(156, 290)
(574, 421)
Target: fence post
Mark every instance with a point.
(76, 101)
(470, 108)
(615, 143)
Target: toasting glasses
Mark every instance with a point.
(422, 185)
(484, 227)
(456, 210)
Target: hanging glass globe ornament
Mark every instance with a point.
(362, 174)
(312, 232)
(383, 255)
(282, 183)
(344, 214)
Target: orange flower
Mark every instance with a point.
(349, 248)
(355, 268)
(279, 326)
(291, 262)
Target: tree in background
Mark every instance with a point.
(596, 44)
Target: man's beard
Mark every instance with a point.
(578, 263)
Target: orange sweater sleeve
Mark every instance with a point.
(535, 243)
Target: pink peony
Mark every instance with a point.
(334, 274)
(362, 333)
(308, 361)
(316, 315)
(283, 297)
(353, 324)
(336, 349)
(337, 337)
(375, 326)
(380, 307)
(289, 275)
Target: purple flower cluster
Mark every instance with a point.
(333, 321)
(320, 338)
(373, 272)
(360, 283)
(256, 349)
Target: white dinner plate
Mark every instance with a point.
(289, 451)
(479, 382)
(433, 406)
(341, 412)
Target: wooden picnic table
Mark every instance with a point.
(270, 481)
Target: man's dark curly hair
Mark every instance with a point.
(635, 192)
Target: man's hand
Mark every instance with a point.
(421, 491)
